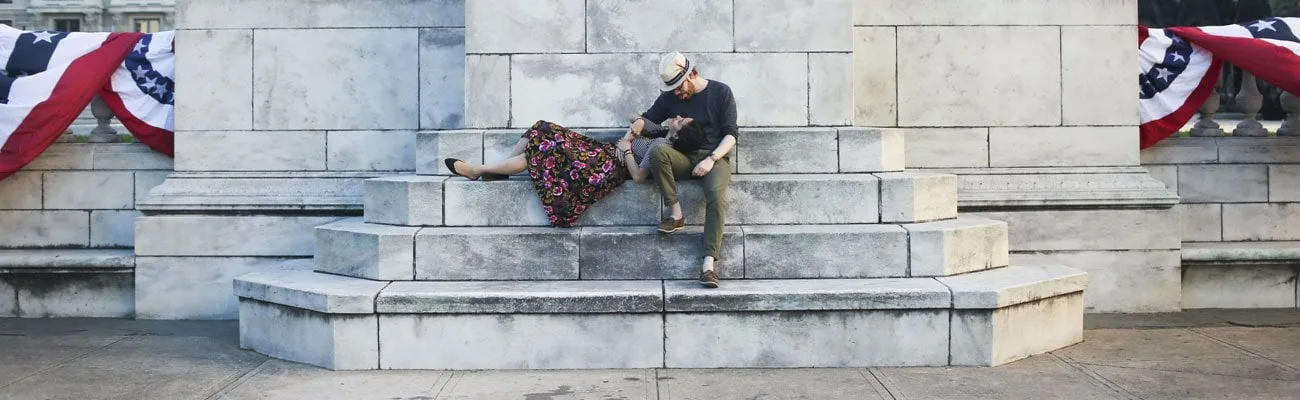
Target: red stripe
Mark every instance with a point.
(1271, 63)
(1143, 33)
(161, 140)
(1155, 131)
(70, 96)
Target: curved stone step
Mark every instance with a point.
(898, 197)
(982, 318)
(758, 151)
(354, 248)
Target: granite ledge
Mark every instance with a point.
(66, 260)
(325, 293)
(1016, 284)
(517, 297)
(807, 295)
(1261, 252)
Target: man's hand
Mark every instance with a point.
(703, 167)
(638, 125)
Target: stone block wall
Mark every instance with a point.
(593, 63)
(79, 195)
(1232, 189)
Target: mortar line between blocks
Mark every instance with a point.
(897, 91)
(1060, 65)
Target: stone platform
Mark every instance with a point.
(833, 259)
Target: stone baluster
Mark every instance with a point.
(1206, 127)
(103, 116)
(1250, 101)
(1291, 126)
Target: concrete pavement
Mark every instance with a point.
(1204, 354)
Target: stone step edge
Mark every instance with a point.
(1249, 253)
(53, 261)
(991, 289)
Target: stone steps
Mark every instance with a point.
(981, 318)
(354, 248)
(758, 151)
(896, 197)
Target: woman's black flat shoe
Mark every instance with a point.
(451, 166)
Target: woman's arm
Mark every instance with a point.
(629, 158)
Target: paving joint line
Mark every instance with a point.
(876, 385)
(1096, 377)
(228, 386)
(65, 362)
(1244, 350)
(886, 383)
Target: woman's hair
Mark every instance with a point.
(689, 138)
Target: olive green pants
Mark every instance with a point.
(669, 165)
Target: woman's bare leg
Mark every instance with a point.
(519, 147)
(510, 166)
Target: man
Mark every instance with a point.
(687, 96)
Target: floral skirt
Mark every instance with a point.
(570, 171)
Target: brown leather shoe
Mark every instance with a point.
(671, 225)
(709, 279)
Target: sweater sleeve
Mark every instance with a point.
(727, 123)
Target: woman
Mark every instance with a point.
(570, 171)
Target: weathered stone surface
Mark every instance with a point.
(354, 248)
(298, 87)
(1261, 221)
(8, 300)
(921, 12)
(21, 191)
(806, 339)
(1180, 150)
(1283, 183)
(995, 337)
(111, 190)
(66, 260)
(644, 253)
(1259, 150)
(223, 99)
(907, 197)
(739, 71)
(514, 203)
(1013, 285)
(250, 151)
(875, 76)
(488, 78)
(1063, 146)
(825, 251)
(829, 103)
(112, 228)
(807, 295)
(1094, 66)
(45, 228)
(408, 200)
(1239, 286)
(871, 150)
(823, 25)
(194, 235)
(521, 341)
(555, 297)
(1272, 252)
(496, 254)
(129, 156)
(1121, 281)
(941, 68)
(618, 26)
(64, 156)
(1166, 174)
(370, 151)
(628, 84)
(442, 78)
(435, 146)
(145, 181)
(791, 199)
(1223, 183)
(309, 290)
(1090, 229)
(957, 246)
(1201, 222)
(791, 151)
(548, 26)
(84, 295)
(199, 288)
(947, 147)
(215, 14)
(335, 341)
(1061, 188)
